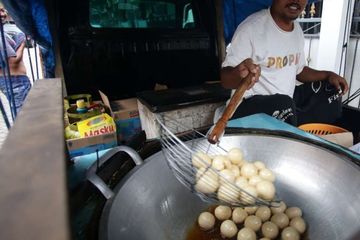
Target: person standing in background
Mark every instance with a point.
(14, 46)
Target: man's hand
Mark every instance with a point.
(246, 67)
(338, 82)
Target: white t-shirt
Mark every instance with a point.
(280, 54)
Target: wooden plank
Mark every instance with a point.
(33, 199)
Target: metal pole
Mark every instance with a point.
(29, 55)
(36, 61)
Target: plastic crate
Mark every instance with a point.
(321, 128)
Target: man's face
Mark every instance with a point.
(288, 9)
(3, 13)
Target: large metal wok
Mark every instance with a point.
(151, 204)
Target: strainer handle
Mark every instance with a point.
(97, 181)
(220, 125)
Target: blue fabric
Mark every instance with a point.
(31, 17)
(21, 86)
(235, 11)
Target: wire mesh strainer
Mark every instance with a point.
(186, 150)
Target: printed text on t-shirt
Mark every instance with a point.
(280, 62)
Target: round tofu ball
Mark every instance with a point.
(267, 174)
(228, 193)
(227, 176)
(299, 224)
(239, 215)
(290, 233)
(251, 210)
(264, 213)
(201, 159)
(253, 222)
(218, 162)
(248, 170)
(270, 230)
(208, 182)
(292, 212)
(200, 172)
(259, 165)
(235, 155)
(265, 190)
(228, 229)
(206, 221)
(253, 180)
(241, 182)
(236, 170)
(279, 209)
(281, 220)
(227, 163)
(246, 234)
(248, 195)
(222, 212)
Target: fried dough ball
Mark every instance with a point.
(253, 222)
(279, 209)
(246, 234)
(218, 162)
(281, 220)
(241, 182)
(222, 212)
(206, 221)
(236, 156)
(201, 159)
(251, 210)
(270, 230)
(299, 224)
(264, 213)
(235, 169)
(248, 170)
(265, 190)
(253, 180)
(290, 233)
(292, 212)
(227, 176)
(228, 193)
(228, 229)
(267, 174)
(208, 182)
(239, 215)
(259, 165)
(245, 197)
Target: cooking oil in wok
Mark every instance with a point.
(196, 233)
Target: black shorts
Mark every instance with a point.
(281, 107)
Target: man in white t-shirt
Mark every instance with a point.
(270, 44)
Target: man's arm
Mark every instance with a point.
(231, 77)
(19, 54)
(311, 75)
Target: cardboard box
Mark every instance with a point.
(81, 146)
(126, 116)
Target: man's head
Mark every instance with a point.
(3, 12)
(287, 10)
